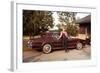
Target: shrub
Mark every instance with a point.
(72, 29)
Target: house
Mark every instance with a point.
(84, 27)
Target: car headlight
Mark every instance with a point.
(30, 44)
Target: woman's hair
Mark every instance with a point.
(64, 28)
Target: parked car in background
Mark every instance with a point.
(48, 42)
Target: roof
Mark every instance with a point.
(86, 19)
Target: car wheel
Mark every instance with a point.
(79, 46)
(47, 48)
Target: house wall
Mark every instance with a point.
(84, 30)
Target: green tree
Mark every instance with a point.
(35, 22)
(68, 20)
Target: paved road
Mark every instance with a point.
(57, 55)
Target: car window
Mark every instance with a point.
(55, 35)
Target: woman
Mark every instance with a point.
(64, 37)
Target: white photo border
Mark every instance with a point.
(17, 25)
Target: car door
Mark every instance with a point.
(57, 43)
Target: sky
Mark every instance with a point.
(81, 15)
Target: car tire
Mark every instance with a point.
(47, 48)
(79, 46)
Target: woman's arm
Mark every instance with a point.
(66, 34)
(60, 35)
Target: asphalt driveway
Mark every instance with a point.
(32, 55)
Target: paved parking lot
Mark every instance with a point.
(30, 55)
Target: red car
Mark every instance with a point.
(48, 41)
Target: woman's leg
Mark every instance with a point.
(65, 44)
(66, 49)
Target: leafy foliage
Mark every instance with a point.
(35, 22)
(68, 20)
(72, 29)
